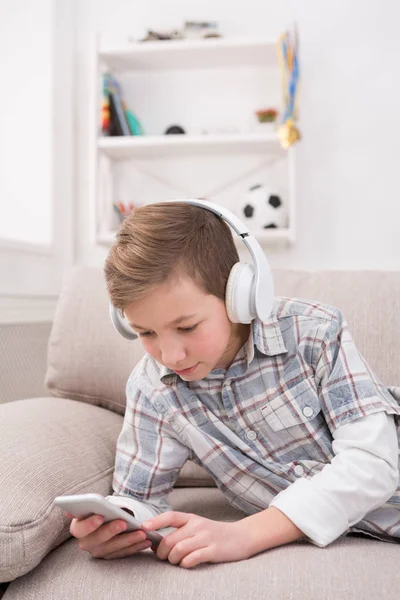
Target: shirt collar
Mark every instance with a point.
(165, 372)
(267, 337)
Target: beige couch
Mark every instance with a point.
(65, 442)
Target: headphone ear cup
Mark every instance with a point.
(119, 324)
(239, 295)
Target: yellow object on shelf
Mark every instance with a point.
(288, 134)
(288, 54)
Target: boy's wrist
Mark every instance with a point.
(268, 529)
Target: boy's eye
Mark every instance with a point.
(187, 329)
(145, 334)
(181, 329)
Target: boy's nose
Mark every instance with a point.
(173, 357)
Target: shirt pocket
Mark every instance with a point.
(292, 406)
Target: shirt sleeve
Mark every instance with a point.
(361, 477)
(148, 457)
(347, 388)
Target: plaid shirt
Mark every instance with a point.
(259, 425)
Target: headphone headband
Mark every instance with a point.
(222, 212)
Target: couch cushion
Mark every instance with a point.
(350, 569)
(49, 448)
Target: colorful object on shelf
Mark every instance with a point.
(116, 118)
(288, 53)
(116, 100)
(134, 124)
(267, 115)
(105, 108)
(123, 210)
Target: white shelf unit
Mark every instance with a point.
(190, 54)
(163, 145)
(156, 59)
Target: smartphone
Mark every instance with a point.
(81, 506)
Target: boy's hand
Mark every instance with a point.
(105, 541)
(198, 540)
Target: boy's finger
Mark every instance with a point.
(107, 540)
(82, 527)
(167, 519)
(113, 539)
(129, 550)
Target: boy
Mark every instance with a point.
(284, 414)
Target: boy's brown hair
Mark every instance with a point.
(167, 239)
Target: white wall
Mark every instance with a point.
(347, 163)
(36, 144)
(25, 134)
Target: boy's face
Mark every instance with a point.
(186, 329)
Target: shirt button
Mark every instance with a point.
(308, 411)
(299, 471)
(251, 435)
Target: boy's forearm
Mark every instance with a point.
(268, 529)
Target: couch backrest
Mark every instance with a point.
(89, 361)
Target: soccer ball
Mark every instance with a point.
(263, 209)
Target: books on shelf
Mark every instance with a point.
(117, 119)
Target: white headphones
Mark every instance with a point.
(250, 288)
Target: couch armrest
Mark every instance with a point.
(48, 447)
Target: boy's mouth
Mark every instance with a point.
(187, 371)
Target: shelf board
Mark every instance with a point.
(126, 147)
(190, 54)
(270, 237)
